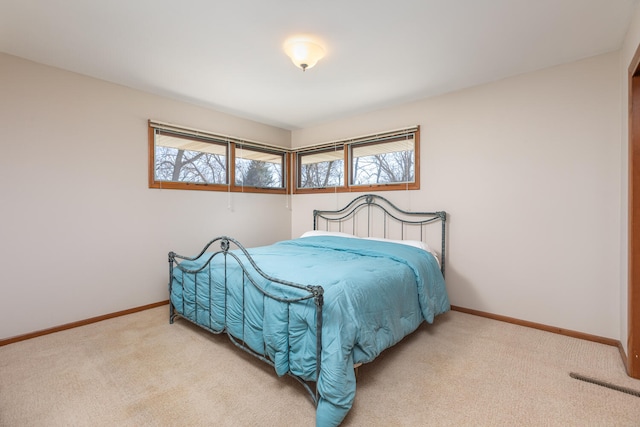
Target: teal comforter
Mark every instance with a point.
(375, 293)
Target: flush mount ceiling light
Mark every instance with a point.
(304, 51)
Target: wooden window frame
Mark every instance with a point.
(232, 142)
(250, 189)
(298, 175)
(290, 159)
(347, 186)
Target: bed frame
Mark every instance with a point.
(368, 215)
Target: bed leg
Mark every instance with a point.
(355, 369)
(172, 314)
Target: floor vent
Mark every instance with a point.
(626, 390)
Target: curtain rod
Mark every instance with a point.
(156, 124)
(362, 138)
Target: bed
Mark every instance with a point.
(317, 306)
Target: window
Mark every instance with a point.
(181, 158)
(187, 159)
(259, 168)
(383, 162)
(388, 161)
(321, 169)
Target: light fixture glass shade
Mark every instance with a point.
(304, 53)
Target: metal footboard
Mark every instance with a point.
(203, 290)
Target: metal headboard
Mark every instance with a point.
(366, 206)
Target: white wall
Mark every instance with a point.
(529, 170)
(81, 233)
(631, 43)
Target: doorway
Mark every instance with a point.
(633, 315)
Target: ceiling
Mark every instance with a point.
(227, 55)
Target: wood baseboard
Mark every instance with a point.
(561, 331)
(623, 354)
(556, 330)
(24, 337)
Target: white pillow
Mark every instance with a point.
(327, 233)
(415, 243)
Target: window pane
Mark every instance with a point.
(321, 169)
(257, 168)
(184, 159)
(383, 163)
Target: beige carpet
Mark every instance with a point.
(138, 370)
